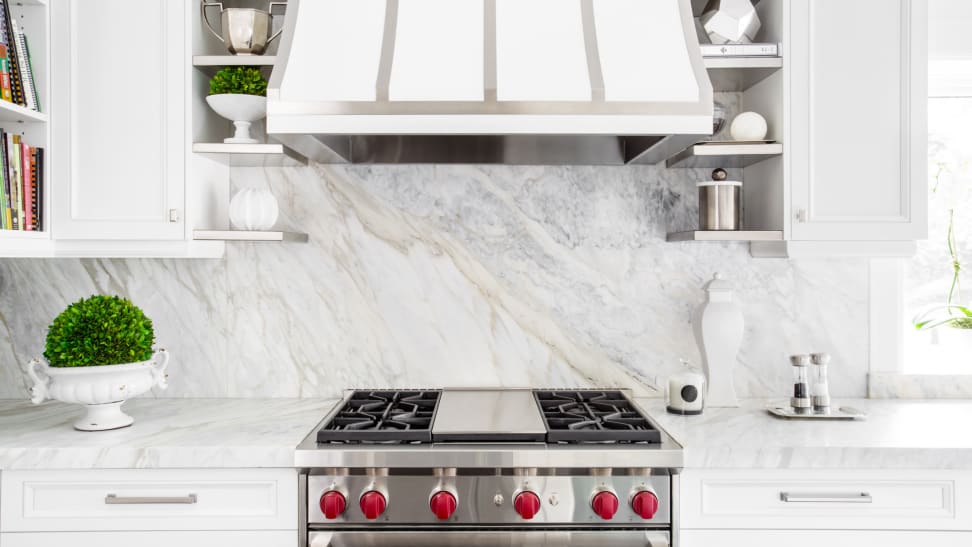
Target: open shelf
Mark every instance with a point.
(740, 73)
(211, 63)
(11, 112)
(248, 235)
(727, 235)
(250, 155)
(724, 154)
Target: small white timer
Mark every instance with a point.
(748, 126)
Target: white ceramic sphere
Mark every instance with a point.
(253, 209)
(748, 126)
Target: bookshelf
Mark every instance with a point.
(33, 18)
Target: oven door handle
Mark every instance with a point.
(491, 538)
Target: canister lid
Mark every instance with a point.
(719, 183)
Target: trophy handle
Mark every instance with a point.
(39, 392)
(160, 362)
(270, 9)
(203, 7)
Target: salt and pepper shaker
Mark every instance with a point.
(820, 390)
(801, 401)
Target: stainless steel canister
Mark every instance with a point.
(720, 205)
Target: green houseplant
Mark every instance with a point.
(238, 93)
(98, 353)
(101, 330)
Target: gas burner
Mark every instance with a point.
(593, 416)
(395, 417)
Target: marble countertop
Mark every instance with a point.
(902, 434)
(243, 433)
(195, 433)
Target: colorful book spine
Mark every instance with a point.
(16, 181)
(5, 174)
(23, 66)
(35, 202)
(28, 192)
(16, 80)
(39, 173)
(5, 75)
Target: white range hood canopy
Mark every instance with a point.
(477, 68)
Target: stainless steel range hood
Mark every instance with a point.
(584, 82)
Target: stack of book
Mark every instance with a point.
(22, 194)
(16, 73)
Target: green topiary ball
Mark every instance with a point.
(244, 80)
(101, 330)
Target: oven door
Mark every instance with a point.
(491, 538)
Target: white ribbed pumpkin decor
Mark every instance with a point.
(253, 209)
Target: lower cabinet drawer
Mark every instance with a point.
(149, 499)
(825, 499)
(151, 539)
(821, 538)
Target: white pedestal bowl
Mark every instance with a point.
(242, 110)
(102, 389)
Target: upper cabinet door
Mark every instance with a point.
(118, 119)
(858, 100)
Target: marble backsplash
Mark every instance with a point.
(456, 276)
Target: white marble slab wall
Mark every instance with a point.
(456, 275)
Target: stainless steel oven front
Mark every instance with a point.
(484, 511)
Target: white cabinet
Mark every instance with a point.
(820, 538)
(152, 539)
(149, 507)
(798, 507)
(858, 108)
(118, 119)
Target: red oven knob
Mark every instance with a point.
(333, 504)
(443, 504)
(373, 504)
(526, 504)
(645, 504)
(605, 504)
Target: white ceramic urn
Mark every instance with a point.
(102, 389)
(718, 329)
(253, 209)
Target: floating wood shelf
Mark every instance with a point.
(727, 155)
(250, 155)
(727, 235)
(248, 235)
(740, 73)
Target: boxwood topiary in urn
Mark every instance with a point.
(101, 330)
(99, 353)
(238, 93)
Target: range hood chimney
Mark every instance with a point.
(583, 82)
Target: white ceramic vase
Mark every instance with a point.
(102, 389)
(242, 110)
(253, 209)
(719, 329)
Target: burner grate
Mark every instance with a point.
(397, 417)
(593, 416)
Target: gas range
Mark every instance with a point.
(517, 466)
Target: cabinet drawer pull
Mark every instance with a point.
(825, 497)
(112, 499)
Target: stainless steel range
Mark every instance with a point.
(488, 467)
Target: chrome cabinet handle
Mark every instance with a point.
(826, 497)
(112, 499)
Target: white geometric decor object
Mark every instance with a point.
(748, 126)
(718, 327)
(730, 21)
(253, 209)
(102, 389)
(242, 110)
